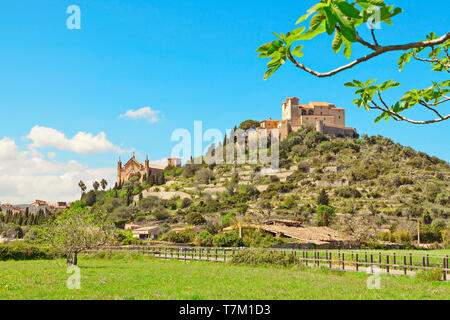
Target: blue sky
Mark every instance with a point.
(188, 60)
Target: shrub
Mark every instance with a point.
(185, 236)
(348, 192)
(186, 202)
(205, 175)
(23, 251)
(204, 239)
(195, 218)
(429, 275)
(262, 257)
(226, 219)
(227, 239)
(161, 215)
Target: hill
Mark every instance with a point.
(370, 188)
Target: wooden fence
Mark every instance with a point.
(352, 260)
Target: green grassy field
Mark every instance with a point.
(148, 278)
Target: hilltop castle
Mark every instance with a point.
(325, 118)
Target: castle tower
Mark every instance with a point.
(290, 109)
(119, 172)
(147, 163)
(319, 126)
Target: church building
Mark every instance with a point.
(134, 167)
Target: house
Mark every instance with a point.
(131, 226)
(146, 233)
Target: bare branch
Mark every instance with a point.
(396, 116)
(378, 50)
(373, 36)
(423, 103)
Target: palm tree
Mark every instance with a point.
(82, 187)
(96, 185)
(104, 183)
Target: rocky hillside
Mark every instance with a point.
(370, 188)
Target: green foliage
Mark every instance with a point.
(227, 219)
(227, 240)
(324, 216)
(204, 239)
(195, 218)
(323, 198)
(254, 257)
(257, 239)
(185, 236)
(24, 251)
(336, 17)
(429, 275)
(249, 124)
(205, 175)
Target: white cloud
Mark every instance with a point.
(25, 176)
(51, 155)
(82, 142)
(143, 113)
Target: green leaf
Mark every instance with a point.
(382, 116)
(348, 48)
(298, 51)
(331, 20)
(337, 42)
(270, 72)
(316, 21)
(348, 10)
(347, 28)
(312, 33)
(310, 11)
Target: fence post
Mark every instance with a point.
(343, 261)
(357, 267)
(387, 263)
(428, 260)
(395, 259)
(410, 261)
(444, 272)
(371, 262)
(216, 255)
(404, 264)
(331, 260)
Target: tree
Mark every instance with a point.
(265, 206)
(205, 175)
(360, 227)
(104, 183)
(77, 230)
(249, 124)
(323, 199)
(82, 187)
(96, 185)
(341, 18)
(324, 216)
